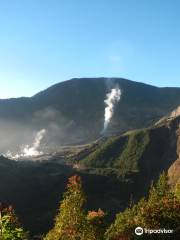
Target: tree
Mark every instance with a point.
(160, 210)
(96, 219)
(177, 189)
(71, 222)
(159, 189)
(10, 228)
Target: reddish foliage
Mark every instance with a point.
(6, 209)
(94, 214)
(74, 181)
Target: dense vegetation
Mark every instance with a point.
(160, 210)
(10, 228)
(72, 222)
(119, 154)
(134, 154)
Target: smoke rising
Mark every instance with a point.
(111, 99)
(27, 150)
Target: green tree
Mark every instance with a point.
(10, 228)
(96, 219)
(177, 189)
(159, 189)
(71, 222)
(160, 210)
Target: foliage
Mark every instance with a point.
(123, 226)
(106, 154)
(71, 223)
(96, 219)
(160, 210)
(10, 228)
(136, 145)
(121, 154)
(177, 190)
(160, 189)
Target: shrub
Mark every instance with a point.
(72, 223)
(10, 228)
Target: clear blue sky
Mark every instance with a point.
(43, 42)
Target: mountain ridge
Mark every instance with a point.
(73, 111)
(86, 78)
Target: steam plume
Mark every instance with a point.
(30, 151)
(33, 150)
(112, 98)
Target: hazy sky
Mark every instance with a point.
(47, 41)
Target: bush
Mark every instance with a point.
(72, 223)
(10, 228)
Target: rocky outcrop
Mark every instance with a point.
(175, 113)
(174, 170)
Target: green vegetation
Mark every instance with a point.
(177, 189)
(136, 145)
(121, 154)
(72, 223)
(10, 228)
(160, 210)
(105, 155)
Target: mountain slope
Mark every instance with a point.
(139, 155)
(73, 111)
(114, 170)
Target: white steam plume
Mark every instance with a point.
(29, 151)
(112, 98)
(33, 150)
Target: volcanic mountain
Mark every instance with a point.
(73, 111)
